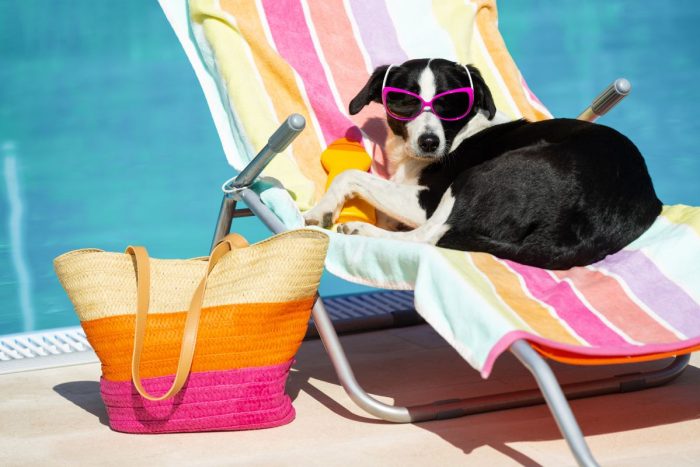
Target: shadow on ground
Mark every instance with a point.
(86, 395)
(412, 372)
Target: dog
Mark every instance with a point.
(552, 194)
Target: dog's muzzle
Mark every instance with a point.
(428, 142)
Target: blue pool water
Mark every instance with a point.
(106, 140)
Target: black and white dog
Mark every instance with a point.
(553, 194)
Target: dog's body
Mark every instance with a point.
(552, 194)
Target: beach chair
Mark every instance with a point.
(274, 67)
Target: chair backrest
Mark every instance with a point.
(270, 58)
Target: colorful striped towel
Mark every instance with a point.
(640, 303)
(260, 60)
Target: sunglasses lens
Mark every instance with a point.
(402, 105)
(454, 105)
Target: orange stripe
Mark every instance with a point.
(487, 20)
(608, 297)
(229, 337)
(578, 359)
(530, 310)
(279, 82)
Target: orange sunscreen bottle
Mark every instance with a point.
(343, 154)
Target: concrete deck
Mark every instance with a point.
(56, 417)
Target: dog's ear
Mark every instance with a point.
(372, 92)
(482, 95)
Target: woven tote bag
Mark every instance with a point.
(202, 344)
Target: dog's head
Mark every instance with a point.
(426, 136)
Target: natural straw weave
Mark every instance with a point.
(283, 268)
(256, 307)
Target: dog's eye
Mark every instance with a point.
(453, 105)
(403, 105)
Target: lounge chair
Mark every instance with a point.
(259, 62)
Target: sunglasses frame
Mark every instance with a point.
(386, 90)
(427, 104)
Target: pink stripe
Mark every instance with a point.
(608, 297)
(200, 409)
(293, 41)
(335, 33)
(567, 305)
(248, 398)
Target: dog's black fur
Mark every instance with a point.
(553, 194)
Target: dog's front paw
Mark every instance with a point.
(318, 217)
(352, 228)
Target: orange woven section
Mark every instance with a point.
(229, 337)
(578, 359)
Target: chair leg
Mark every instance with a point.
(345, 374)
(554, 396)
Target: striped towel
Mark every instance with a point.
(638, 304)
(266, 59)
(259, 61)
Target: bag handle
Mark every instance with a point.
(189, 337)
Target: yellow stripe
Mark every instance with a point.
(681, 214)
(278, 77)
(247, 93)
(458, 20)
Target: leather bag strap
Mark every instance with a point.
(189, 337)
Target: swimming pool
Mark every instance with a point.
(105, 138)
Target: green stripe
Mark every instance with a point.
(464, 267)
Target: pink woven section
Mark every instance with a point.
(242, 399)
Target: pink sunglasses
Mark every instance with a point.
(404, 105)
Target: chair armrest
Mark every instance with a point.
(606, 100)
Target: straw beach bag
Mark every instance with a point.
(201, 344)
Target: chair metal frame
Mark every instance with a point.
(550, 391)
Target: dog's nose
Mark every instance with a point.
(428, 142)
